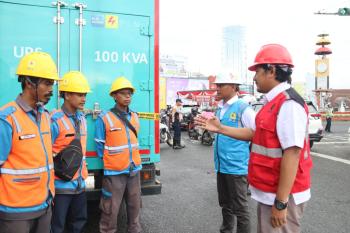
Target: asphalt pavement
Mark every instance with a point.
(188, 203)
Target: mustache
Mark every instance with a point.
(49, 94)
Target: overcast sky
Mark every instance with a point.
(193, 28)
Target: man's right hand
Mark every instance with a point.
(211, 124)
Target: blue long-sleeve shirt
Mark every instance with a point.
(100, 140)
(5, 140)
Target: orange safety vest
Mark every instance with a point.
(66, 128)
(266, 152)
(26, 177)
(119, 141)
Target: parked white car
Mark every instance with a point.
(315, 124)
(315, 121)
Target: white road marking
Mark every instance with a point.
(324, 143)
(331, 158)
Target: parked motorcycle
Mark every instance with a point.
(192, 129)
(165, 135)
(207, 138)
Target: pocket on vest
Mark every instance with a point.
(264, 170)
(26, 180)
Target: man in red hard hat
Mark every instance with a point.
(280, 162)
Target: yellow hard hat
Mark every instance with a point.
(121, 83)
(74, 81)
(38, 64)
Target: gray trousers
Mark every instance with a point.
(114, 189)
(294, 215)
(233, 199)
(41, 224)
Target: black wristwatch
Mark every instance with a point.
(279, 205)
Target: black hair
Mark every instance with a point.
(62, 94)
(22, 79)
(283, 72)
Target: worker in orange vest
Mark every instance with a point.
(69, 134)
(26, 165)
(280, 162)
(116, 142)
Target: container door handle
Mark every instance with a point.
(58, 19)
(80, 22)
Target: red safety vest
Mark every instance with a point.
(66, 128)
(266, 152)
(116, 156)
(27, 176)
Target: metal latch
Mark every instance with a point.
(94, 112)
(147, 85)
(144, 29)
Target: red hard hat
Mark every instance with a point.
(272, 54)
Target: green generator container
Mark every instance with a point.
(103, 39)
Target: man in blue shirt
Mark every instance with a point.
(69, 126)
(26, 166)
(231, 156)
(116, 142)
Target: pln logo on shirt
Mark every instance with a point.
(233, 116)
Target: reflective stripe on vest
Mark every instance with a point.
(269, 152)
(18, 127)
(25, 171)
(26, 178)
(113, 148)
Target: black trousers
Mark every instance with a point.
(70, 212)
(329, 124)
(233, 199)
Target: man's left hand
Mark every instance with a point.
(278, 217)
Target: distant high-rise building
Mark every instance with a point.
(234, 50)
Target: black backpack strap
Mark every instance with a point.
(121, 116)
(77, 127)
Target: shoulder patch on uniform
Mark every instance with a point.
(293, 95)
(4, 113)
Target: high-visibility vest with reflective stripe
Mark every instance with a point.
(119, 141)
(266, 152)
(66, 135)
(27, 176)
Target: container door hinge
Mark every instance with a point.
(147, 85)
(145, 141)
(144, 30)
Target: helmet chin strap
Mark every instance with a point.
(38, 103)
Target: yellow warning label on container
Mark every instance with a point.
(148, 115)
(111, 21)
